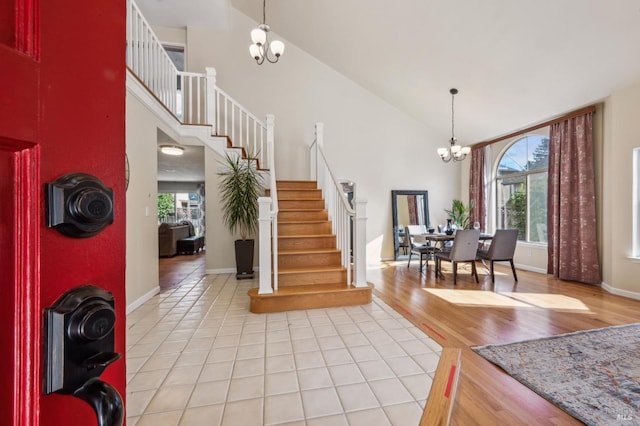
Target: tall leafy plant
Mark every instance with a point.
(240, 187)
(459, 213)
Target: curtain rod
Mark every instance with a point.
(576, 113)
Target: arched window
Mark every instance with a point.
(521, 184)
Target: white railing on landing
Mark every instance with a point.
(193, 98)
(349, 224)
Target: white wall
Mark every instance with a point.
(142, 206)
(622, 135)
(220, 256)
(367, 140)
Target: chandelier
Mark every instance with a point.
(454, 152)
(261, 49)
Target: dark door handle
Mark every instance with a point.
(105, 401)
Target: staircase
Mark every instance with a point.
(310, 274)
(320, 263)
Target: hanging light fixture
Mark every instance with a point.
(261, 49)
(171, 149)
(454, 152)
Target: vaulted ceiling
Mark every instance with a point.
(515, 62)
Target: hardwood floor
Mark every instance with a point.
(174, 270)
(477, 314)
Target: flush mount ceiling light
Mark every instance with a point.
(261, 49)
(172, 149)
(454, 152)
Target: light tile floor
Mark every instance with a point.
(197, 356)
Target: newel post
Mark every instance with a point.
(211, 99)
(313, 154)
(360, 244)
(264, 237)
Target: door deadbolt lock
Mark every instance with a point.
(78, 205)
(79, 346)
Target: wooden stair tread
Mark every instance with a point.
(306, 236)
(296, 297)
(297, 222)
(300, 210)
(309, 289)
(313, 269)
(310, 251)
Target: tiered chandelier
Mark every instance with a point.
(454, 152)
(261, 49)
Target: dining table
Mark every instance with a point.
(441, 237)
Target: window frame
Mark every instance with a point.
(495, 179)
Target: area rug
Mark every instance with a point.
(593, 375)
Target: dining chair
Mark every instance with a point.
(424, 249)
(464, 249)
(502, 248)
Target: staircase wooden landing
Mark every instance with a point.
(310, 274)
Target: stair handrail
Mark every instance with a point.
(148, 60)
(346, 221)
(192, 98)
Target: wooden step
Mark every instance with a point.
(311, 276)
(305, 228)
(299, 242)
(309, 258)
(301, 204)
(297, 194)
(296, 184)
(300, 215)
(308, 297)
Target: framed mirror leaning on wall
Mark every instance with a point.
(408, 207)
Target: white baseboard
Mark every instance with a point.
(530, 268)
(619, 292)
(220, 271)
(227, 271)
(140, 301)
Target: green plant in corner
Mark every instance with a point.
(240, 186)
(459, 213)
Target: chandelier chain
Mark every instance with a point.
(452, 117)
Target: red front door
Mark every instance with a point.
(61, 111)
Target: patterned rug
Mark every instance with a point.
(593, 375)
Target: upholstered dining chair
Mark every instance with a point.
(502, 248)
(464, 249)
(423, 248)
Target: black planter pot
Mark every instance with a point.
(244, 259)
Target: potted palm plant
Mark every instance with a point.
(240, 186)
(459, 213)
